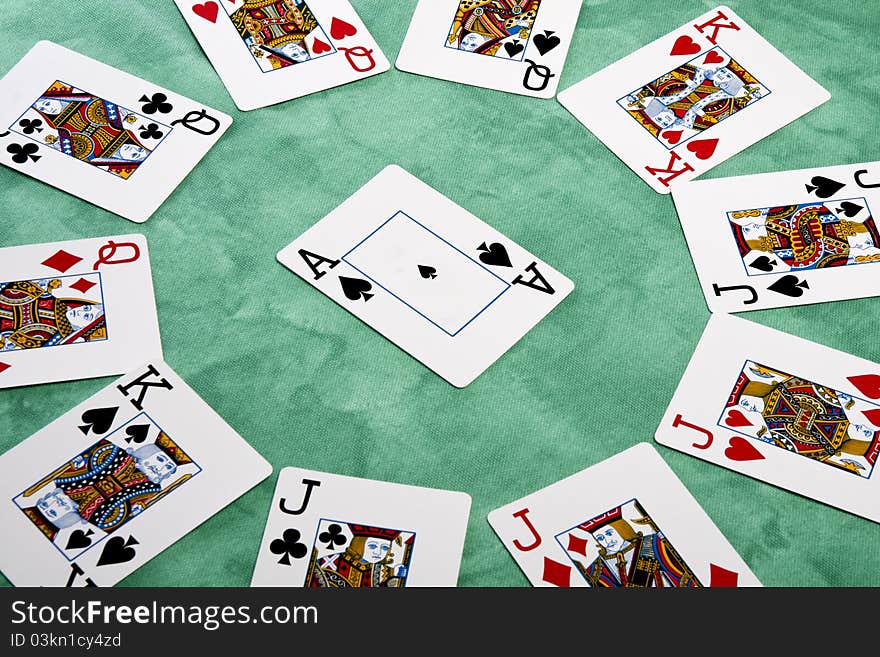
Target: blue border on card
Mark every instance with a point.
(107, 436)
(657, 138)
(72, 344)
(479, 54)
(724, 410)
(168, 131)
(801, 271)
(479, 264)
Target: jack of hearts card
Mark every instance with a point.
(783, 410)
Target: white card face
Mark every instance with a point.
(76, 310)
(625, 522)
(330, 531)
(428, 275)
(692, 99)
(270, 51)
(107, 486)
(781, 409)
(784, 239)
(508, 45)
(105, 136)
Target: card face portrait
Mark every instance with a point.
(692, 99)
(784, 239)
(271, 51)
(105, 136)
(428, 275)
(783, 410)
(517, 46)
(107, 486)
(627, 522)
(331, 531)
(76, 310)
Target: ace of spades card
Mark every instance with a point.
(108, 137)
(627, 522)
(76, 310)
(270, 51)
(783, 410)
(331, 531)
(107, 486)
(692, 99)
(784, 239)
(431, 277)
(518, 46)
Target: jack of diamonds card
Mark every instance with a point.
(107, 486)
(692, 99)
(431, 277)
(517, 46)
(76, 310)
(332, 531)
(270, 51)
(783, 410)
(98, 133)
(627, 522)
(784, 239)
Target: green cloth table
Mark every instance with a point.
(307, 384)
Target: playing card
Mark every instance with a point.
(518, 46)
(692, 99)
(330, 531)
(784, 239)
(93, 131)
(627, 522)
(269, 51)
(783, 410)
(110, 484)
(76, 310)
(427, 274)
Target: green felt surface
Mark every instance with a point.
(307, 384)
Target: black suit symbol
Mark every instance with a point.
(118, 550)
(151, 131)
(356, 288)
(824, 187)
(332, 537)
(158, 102)
(546, 42)
(98, 420)
(21, 153)
(850, 209)
(288, 546)
(79, 539)
(514, 48)
(136, 433)
(764, 263)
(790, 286)
(426, 271)
(31, 125)
(494, 254)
